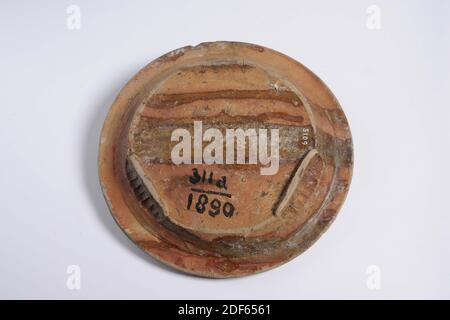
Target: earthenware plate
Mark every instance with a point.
(225, 159)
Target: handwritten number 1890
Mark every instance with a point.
(215, 206)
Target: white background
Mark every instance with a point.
(57, 85)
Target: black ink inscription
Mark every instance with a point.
(196, 178)
(214, 207)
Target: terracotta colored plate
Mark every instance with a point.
(202, 196)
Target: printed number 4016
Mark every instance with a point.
(214, 207)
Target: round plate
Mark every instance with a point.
(225, 159)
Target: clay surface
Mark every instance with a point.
(225, 220)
